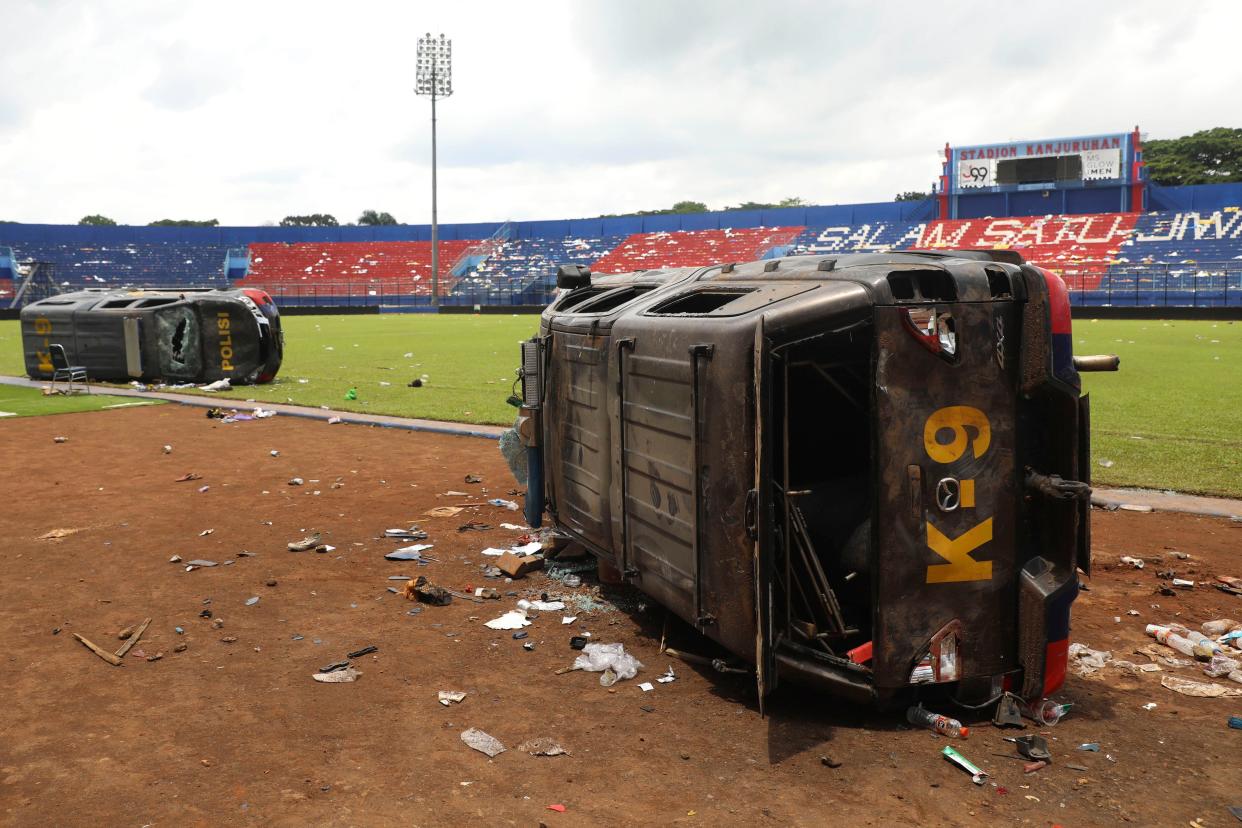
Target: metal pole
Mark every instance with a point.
(435, 226)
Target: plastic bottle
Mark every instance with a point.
(934, 721)
(1183, 645)
(1196, 637)
(1045, 712)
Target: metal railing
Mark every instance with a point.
(364, 294)
(1197, 285)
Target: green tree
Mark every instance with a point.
(688, 207)
(1211, 156)
(792, 201)
(374, 219)
(313, 220)
(97, 221)
(185, 223)
(911, 195)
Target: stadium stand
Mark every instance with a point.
(643, 251)
(521, 263)
(1165, 257)
(154, 264)
(398, 266)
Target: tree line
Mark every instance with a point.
(368, 218)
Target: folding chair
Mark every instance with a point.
(62, 371)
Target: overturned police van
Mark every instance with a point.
(867, 472)
(175, 335)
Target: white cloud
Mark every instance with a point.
(246, 112)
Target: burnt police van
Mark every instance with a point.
(190, 335)
(868, 472)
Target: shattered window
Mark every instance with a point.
(178, 342)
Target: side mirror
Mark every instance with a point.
(573, 276)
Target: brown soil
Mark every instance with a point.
(239, 733)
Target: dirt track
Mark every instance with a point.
(239, 733)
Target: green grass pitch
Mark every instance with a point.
(1171, 419)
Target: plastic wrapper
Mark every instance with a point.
(514, 452)
(596, 658)
(1220, 665)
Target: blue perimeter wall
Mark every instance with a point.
(1202, 197)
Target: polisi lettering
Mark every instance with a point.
(224, 327)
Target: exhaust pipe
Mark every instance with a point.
(1097, 362)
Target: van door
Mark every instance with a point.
(947, 486)
(659, 416)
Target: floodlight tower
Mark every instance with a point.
(434, 77)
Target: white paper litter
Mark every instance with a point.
(511, 620)
(646, 687)
(338, 676)
(218, 385)
(527, 548)
(568, 619)
(667, 677)
(448, 697)
(547, 606)
(515, 527)
(494, 552)
(482, 742)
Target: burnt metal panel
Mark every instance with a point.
(657, 420)
(579, 470)
(958, 559)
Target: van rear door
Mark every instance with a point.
(946, 492)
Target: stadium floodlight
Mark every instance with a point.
(434, 76)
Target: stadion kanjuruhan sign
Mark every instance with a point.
(1103, 157)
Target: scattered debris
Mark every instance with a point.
(668, 676)
(58, 534)
(413, 533)
(506, 504)
(1137, 563)
(1201, 689)
(517, 566)
(190, 566)
(308, 542)
(409, 553)
(512, 620)
(542, 746)
(448, 697)
(597, 658)
(367, 650)
(423, 590)
(473, 478)
(1086, 660)
(443, 511)
(976, 775)
(829, 761)
(340, 676)
(114, 660)
(483, 743)
(296, 481)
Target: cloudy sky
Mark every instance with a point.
(249, 111)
